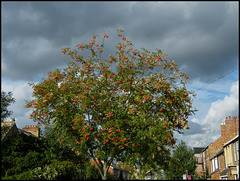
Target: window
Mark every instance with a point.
(213, 167)
(235, 152)
(224, 178)
(214, 164)
(196, 158)
(219, 163)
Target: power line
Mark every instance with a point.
(217, 79)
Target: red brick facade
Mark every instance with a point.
(116, 171)
(32, 129)
(231, 125)
(213, 155)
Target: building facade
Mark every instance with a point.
(199, 159)
(12, 130)
(34, 130)
(231, 155)
(116, 170)
(214, 156)
(8, 129)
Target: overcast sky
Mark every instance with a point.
(203, 37)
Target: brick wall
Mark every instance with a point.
(229, 129)
(199, 169)
(231, 125)
(32, 129)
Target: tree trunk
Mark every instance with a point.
(105, 169)
(140, 172)
(104, 177)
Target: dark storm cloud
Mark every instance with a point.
(201, 37)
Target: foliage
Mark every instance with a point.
(57, 150)
(4, 130)
(20, 153)
(6, 100)
(27, 175)
(60, 170)
(116, 108)
(182, 159)
(23, 153)
(91, 173)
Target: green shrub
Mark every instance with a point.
(23, 176)
(56, 171)
(64, 170)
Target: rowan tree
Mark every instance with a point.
(125, 107)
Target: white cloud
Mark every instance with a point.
(211, 123)
(220, 109)
(21, 92)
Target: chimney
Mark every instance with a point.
(223, 127)
(231, 125)
(35, 130)
(12, 120)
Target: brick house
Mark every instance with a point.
(231, 155)
(214, 155)
(116, 170)
(12, 130)
(198, 156)
(32, 129)
(8, 129)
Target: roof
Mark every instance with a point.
(232, 140)
(205, 148)
(198, 150)
(26, 132)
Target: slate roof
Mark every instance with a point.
(198, 150)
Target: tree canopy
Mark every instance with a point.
(6, 101)
(30, 158)
(125, 107)
(182, 159)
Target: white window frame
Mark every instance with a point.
(235, 152)
(215, 164)
(213, 167)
